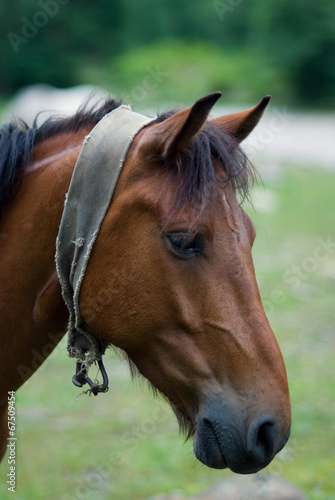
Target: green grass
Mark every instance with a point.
(297, 282)
(125, 445)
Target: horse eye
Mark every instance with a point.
(185, 244)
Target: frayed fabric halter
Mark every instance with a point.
(91, 189)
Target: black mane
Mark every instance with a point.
(16, 144)
(17, 141)
(194, 170)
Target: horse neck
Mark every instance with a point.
(33, 316)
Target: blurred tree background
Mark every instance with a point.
(244, 48)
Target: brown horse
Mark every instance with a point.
(170, 279)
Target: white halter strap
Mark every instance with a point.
(91, 189)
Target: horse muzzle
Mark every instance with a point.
(224, 440)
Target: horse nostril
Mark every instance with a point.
(262, 439)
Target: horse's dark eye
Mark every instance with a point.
(186, 244)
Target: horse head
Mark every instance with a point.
(171, 282)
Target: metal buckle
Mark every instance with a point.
(81, 378)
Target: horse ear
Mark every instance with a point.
(240, 124)
(172, 135)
